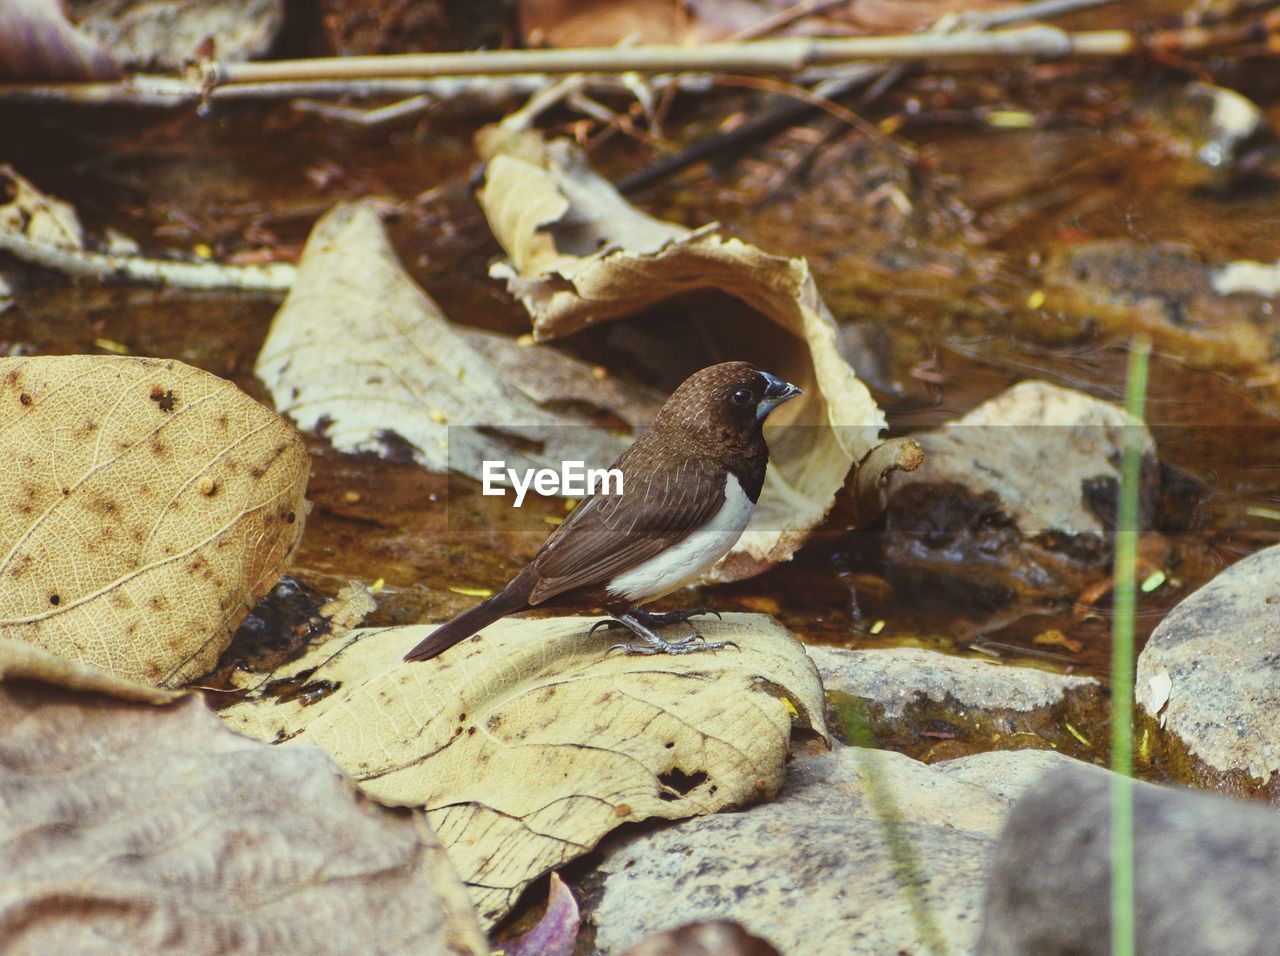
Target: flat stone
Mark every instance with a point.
(817, 870)
(911, 692)
(1006, 774)
(1210, 675)
(1205, 870)
(1018, 494)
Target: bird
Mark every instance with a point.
(690, 483)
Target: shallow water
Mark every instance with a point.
(933, 285)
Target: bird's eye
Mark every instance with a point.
(742, 397)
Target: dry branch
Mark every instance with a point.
(524, 70)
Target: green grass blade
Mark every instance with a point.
(907, 870)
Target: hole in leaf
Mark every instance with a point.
(677, 783)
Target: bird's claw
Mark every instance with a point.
(641, 624)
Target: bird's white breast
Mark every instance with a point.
(684, 562)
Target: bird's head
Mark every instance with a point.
(732, 396)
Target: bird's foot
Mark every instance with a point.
(639, 624)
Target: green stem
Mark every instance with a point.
(1126, 554)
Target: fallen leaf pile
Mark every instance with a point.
(530, 742)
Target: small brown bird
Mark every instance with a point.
(690, 485)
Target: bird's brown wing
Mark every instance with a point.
(605, 536)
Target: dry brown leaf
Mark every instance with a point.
(21, 661)
(554, 379)
(31, 214)
(153, 829)
(580, 255)
(361, 354)
(529, 742)
(609, 22)
(37, 42)
(145, 506)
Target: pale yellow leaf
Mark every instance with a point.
(529, 742)
(351, 605)
(145, 506)
(360, 353)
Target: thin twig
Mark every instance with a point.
(814, 99)
(392, 112)
(783, 18)
(276, 277)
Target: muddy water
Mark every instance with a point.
(930, 286)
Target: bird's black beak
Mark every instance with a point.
(776, 391)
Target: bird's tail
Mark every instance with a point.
(465, 624)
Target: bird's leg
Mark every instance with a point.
(663, 618)
(652, 619)
(651, 643)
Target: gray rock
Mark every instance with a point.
(1210, 674)
(895, 677)
(818, 869)
(908, 691)
(1006, 774)
(1205, 872)
(1017, 494)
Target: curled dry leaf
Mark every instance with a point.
(361, 354)
(529, 742)
(129, 827)
(871, 479)
(145, 506)
(580, 255)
